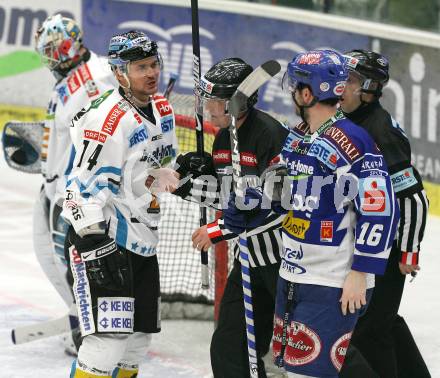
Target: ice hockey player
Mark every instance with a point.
(381, 335)
(340, 225)
(80, 77)
(124, 141)
(260, 140)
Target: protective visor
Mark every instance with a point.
(211, 107)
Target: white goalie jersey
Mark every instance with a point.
(117, 151)
(83, 84)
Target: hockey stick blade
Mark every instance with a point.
(255, 80)
(37, 331)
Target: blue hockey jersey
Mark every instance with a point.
(343, 213)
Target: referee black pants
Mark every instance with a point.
(229, 353)
(381, 336)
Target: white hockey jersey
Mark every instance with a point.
(84, 83)
(117, 148)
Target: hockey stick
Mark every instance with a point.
(170, 85)
(238, 102)
(199, 126)
(53, 327)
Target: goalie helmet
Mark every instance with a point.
(131, 46)
(322, 70)
(222, 80)
(371, 67)
(58, 42)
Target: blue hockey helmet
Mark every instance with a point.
(324, 71)
(131, 46)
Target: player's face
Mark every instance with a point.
(215, 110)
(351, 99)
(144, 76)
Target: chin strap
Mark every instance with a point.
(303, 107)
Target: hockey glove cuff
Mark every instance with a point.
(106, 265)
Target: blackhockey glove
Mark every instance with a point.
(106, 265)
(240, 220)
(192, 163)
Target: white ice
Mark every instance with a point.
(182, 348)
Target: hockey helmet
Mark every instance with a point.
(131, 46)
(222, 80)
(58, 41)
(322, 70)
(371, 67)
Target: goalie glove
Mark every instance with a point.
(106, 265)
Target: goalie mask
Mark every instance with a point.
(58, 42)
(218, 85)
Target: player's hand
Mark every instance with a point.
(353, 292)
(162, 180)
(200, 239)
(408, 268)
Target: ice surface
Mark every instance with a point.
(182, 348)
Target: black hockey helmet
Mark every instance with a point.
(223, 78)
(371, 66)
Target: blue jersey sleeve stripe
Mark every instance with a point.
(369, 264)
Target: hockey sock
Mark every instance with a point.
(76, 372)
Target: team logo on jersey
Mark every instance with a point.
(167, 124)
(63, 94)
(303, 344)
(339, 350)
(296, 227)
(137, 136)
(326, 232)
(374, 196)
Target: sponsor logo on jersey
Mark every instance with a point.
(377, 163)
(95, 135)
(167, 124)
(296, 227)
(303, 344)
(324, 153)
(156, 137)
(374, 196)
(137, 136)
(292, 267)
(115, 314)
(403, 179)
(326, 232)
(293, 254)
(164, 107)
(346, 145)
(71, 203)
(297, 168)
(63, 94)
(112, 120)
(81, 290)
(339, 350)
(248, 158)
(306, 204)
(87, 80)
(221, 156)
(73, 83)
(138, 118)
